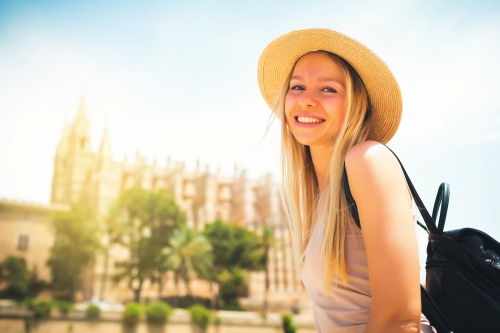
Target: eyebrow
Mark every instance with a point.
(321, 79)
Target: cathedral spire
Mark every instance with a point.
(81, 116)
(105, 148)
(80, 130)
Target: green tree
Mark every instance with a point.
(233, 283)
(20, 283)
(76, 239)
(235, 249)
(149, 219)
(234, 246)
(189, 253)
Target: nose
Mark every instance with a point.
(307, 99)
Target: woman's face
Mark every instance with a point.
(315, 101)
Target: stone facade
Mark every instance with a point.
(83, 175)
(24, 232)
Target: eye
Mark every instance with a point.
(329, 89)
(296, 87)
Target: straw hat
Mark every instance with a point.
(281, 54)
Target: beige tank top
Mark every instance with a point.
(347, 309)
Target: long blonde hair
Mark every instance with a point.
(300, 194)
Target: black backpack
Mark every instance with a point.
(462, 293)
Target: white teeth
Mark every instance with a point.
(309, 120)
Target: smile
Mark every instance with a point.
(309, 120)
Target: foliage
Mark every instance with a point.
(64, 307)
(232, 284)
(14, 272)
(93, 312)
(35, 286)
(132, 314)
(234, 246)
(115, 225)
(158, 312)
(149, 219)
(235, 249)
(189, 253)
(42, 309)
(200, 315)
(287, 324)
(186, 301)
(30, 303)
(76, 240)
(267, 241)
(20, 283)
(232, 307)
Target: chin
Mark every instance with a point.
(304, 142)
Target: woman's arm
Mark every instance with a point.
(384, 205)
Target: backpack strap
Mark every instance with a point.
(433, 313)
(442, 198)
(429, 221)
(351, 204)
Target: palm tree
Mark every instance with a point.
(188, 254)
(267, 243)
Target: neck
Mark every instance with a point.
(321, 157)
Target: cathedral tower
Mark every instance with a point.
(60, 178)
(73, 161)
(106, 178)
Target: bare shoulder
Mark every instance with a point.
(371, 165)
(370, 156)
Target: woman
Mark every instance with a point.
(339, 103)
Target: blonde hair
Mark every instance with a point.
(300, 194)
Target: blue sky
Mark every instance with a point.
(178, 78)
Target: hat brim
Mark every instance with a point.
(280, 55)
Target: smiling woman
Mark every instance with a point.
(317, 83)
(340, 103)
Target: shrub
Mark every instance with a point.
(64, 307)
(132, 314)
(186, 301)
(200, 315)
(232, 307)
(17, 281)
(30, 304)
(158, 313)
(287, 324)
(92, 312)
(42, 309)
